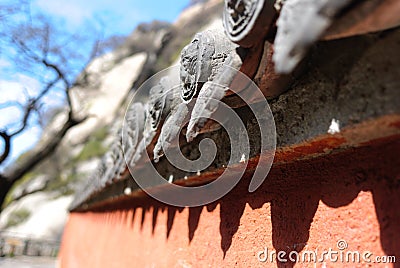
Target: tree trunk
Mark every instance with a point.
(16, 173)
(5, 187)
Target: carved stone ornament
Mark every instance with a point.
(170, 130)
(133, 128)
(203, 61)
(247, 22)
(300, 24)
(161, 101)
(115, 163)
(196, 64)
(91, 186)
(126, 142)
(208, 60)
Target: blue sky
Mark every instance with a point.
(121, 16)
(117, 17)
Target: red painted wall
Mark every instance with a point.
(311, 204)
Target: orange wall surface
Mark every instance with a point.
(348, 199)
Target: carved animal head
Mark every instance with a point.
(196, 64)
(201, 60)
(160, 98)
(159, 105)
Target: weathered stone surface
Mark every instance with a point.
(163, 97)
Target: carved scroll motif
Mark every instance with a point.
(220, 72)
(247, 22)
(174, 116)
(300, 24)
(196, 64)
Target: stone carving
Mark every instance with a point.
(301, 23)
(162, 99)
(115, 163)
(170, 130)
(212, 92)
(99, 173)
(91, 186)
(140, 149)
(133, 128)
(195, 62)
(247, 22)
(203, 62)
(208, 66)
(114, 159)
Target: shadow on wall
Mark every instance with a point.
(294, 191)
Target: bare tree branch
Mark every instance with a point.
(26, 193)
(11, 175)
(41, 153)
(8, 104)
(36, 50)
(7, 146)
